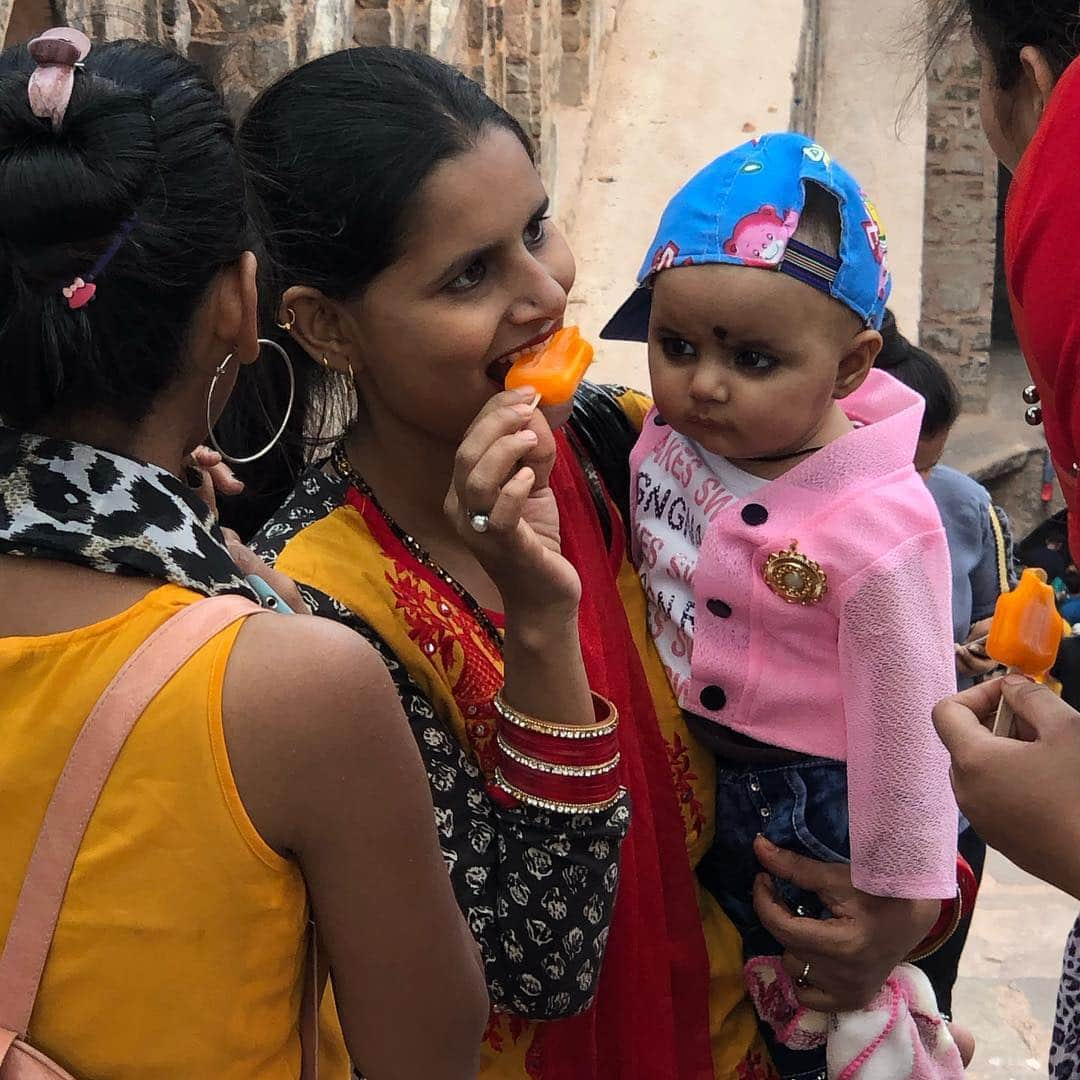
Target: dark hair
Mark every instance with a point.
(819, 223)
(1072, 582)
(919, 371)
(337, 152)
(145, 139)
(1004, 27)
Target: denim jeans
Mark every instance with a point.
(802, 807)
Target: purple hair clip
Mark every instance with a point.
(57, 53)
(82, 289)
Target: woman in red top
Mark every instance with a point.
(1014, 791)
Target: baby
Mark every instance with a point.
(795, 563)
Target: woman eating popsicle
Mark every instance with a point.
(415, 266)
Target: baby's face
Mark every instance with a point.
(746, 362)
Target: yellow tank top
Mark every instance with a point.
(180, 946)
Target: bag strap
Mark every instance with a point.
(99, 742)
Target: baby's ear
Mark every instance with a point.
(856, 363)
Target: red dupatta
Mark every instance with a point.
(1042, 264)
(650, 1020)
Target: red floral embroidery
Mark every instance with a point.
(684, 778)
(456, 646)
(501, 1024)
(755, 1066)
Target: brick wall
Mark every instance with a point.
(514, 48)
(959, 237)
(529, 55)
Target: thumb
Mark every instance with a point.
(808, 874)
(1038, 706)
(959, 727)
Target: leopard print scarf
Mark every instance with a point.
(63, 500)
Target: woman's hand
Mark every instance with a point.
(250, 564)
(1019, 793)
(974, 662)
(213, 475)
(851, 954)
(501, 473)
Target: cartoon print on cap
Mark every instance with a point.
(761, 238)
(879, 245)
(817, 154)
(665, 257)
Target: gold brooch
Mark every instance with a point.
(795, 578)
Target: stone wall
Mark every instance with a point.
(865, 113)
(959, 234)
(529, 55)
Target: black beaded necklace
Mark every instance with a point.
(340, 460)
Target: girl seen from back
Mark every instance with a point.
(251, 783)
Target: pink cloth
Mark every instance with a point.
(900, 1035)
(855, 676)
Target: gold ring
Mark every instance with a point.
(803, 980)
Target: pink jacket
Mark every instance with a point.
(853, 675)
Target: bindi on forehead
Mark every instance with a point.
(720, 333)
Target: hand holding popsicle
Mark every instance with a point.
(501, 475)
(1025, 635)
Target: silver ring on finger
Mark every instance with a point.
(803, 981)
(480, 522)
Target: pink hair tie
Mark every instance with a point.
(57, 52)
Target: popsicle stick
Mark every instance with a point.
(1005, 720)
(535, 402)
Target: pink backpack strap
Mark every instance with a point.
(96, 749)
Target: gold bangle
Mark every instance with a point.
(925, 950)
(554, 768)
(549, 804)
(559, 731)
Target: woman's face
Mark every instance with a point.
(483, 275)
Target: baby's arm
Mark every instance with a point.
(896, 664)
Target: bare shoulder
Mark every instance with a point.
(283, 664)
(307, 704)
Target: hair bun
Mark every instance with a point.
(895, 348)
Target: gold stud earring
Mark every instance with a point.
(290, 320)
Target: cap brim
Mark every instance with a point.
(631, 321)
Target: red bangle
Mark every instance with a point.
(952, 911)
(555, 766)
(558, 751)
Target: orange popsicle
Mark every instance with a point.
(1025, 634)
(556, 369)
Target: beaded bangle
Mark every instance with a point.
(603, 726)
(556, 768)
(554, 805)
(556, 751)
(952, 911)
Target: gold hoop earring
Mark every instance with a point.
(352, 377)
(325, 363)
(290, 320)
(221, 368)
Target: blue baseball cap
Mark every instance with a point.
(744, 208)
